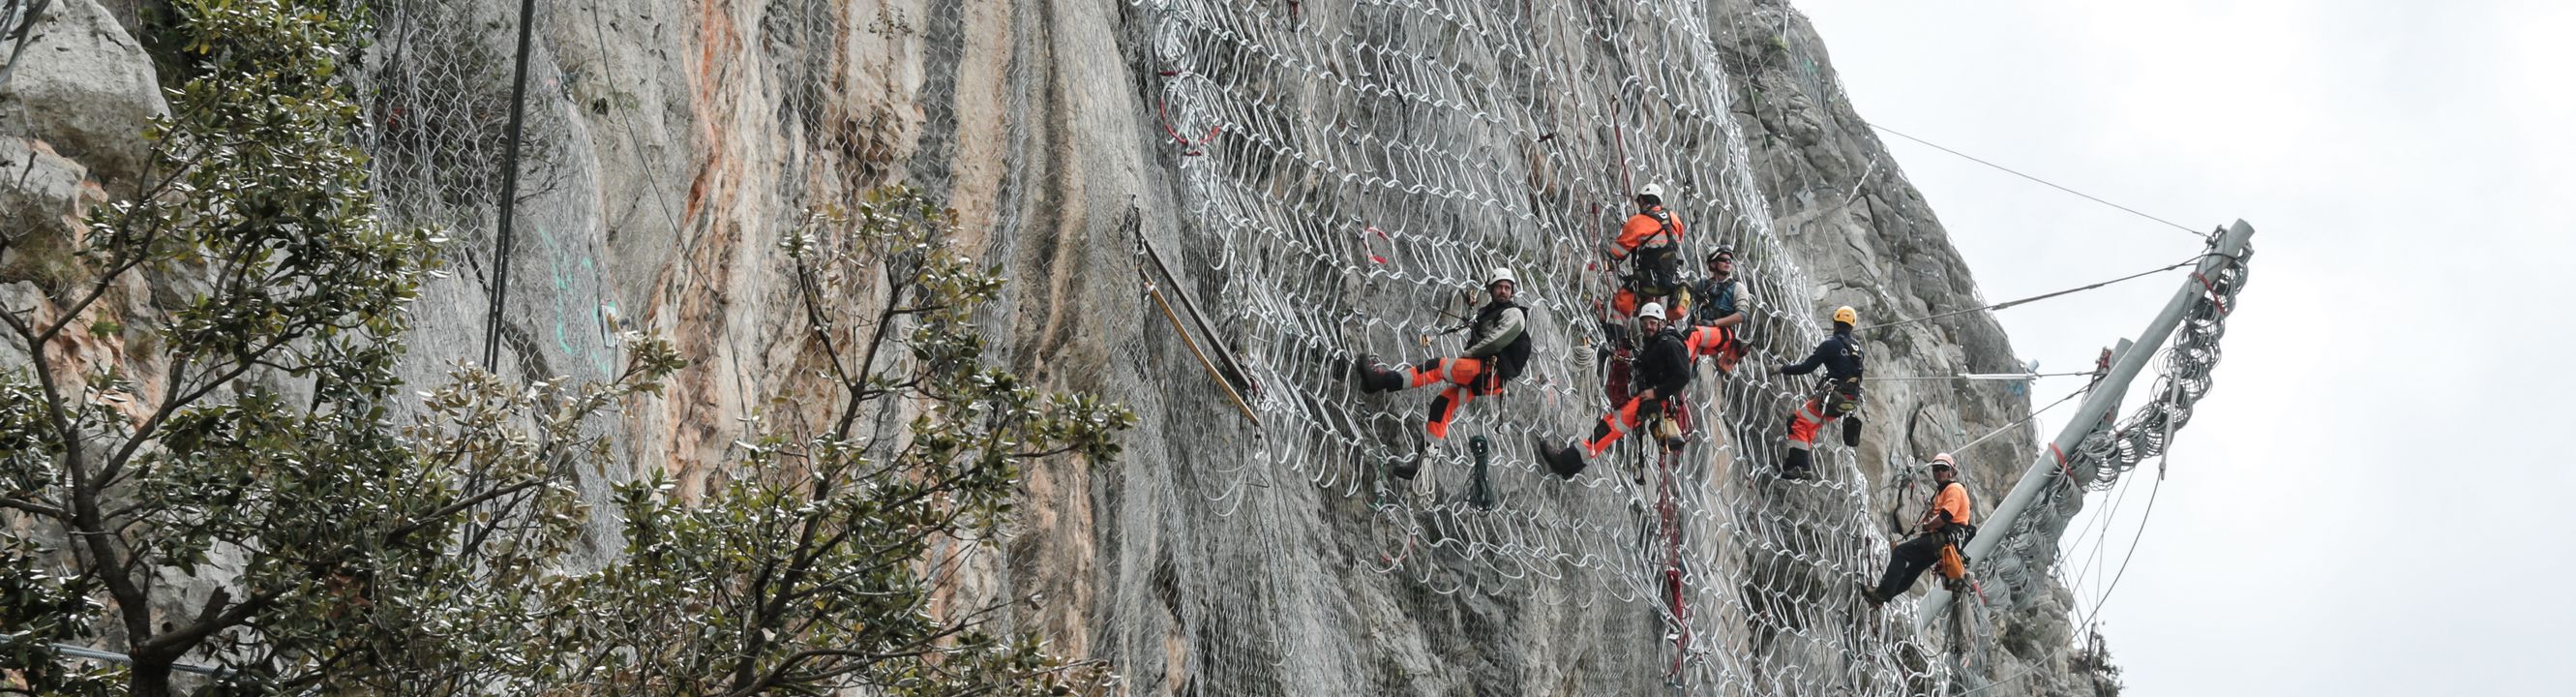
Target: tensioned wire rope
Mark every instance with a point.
(2050, 184)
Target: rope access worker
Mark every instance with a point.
(1716, 310)
(1651, 241)
(1938, 536)
(1498, 347)
(1663, 370)
(1838, 395)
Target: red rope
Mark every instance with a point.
(2214, 298)
(1163, 114)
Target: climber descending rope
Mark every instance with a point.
(1663, 371)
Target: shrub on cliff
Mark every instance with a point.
(824, 556)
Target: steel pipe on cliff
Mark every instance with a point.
(2106, 396)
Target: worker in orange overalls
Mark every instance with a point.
(1651, 241)
(1943, 530)
(1663, 370)
(1498, 347)
(1838, 395)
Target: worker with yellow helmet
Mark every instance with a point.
(1837, 396)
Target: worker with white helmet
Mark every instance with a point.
(1498, 347)
(1663, 369)
(1652, 241)
(1939, 535)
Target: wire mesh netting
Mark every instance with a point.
(1357, 168)
(1359, 165)
(1354, 170)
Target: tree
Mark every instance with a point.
(256, 502)
(818, 557)
(244, 488)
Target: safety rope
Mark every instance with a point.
(2008, 428)
(2051, 184)
(2044, 296)
(1978, 376)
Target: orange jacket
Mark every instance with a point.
(1641, 230)
(1953, 498)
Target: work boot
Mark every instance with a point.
(1565, 462)
(1870, 593)
(1375, 378)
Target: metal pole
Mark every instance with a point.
(2106, 396)
(509, 197)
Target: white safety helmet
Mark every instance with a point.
(1943, 461)
(1651, 189)
(1502, 274)
(1655, 310)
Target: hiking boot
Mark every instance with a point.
(1564, 462)
(1374, 378)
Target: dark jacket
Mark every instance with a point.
(1665, 365)
(1839, 355)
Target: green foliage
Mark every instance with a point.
(821, 559)
(344, 552)
(43, 608)
(264, 498)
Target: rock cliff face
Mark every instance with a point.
(1259, 146)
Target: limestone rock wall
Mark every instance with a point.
(672, 142)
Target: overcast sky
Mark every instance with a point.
(2375, 498)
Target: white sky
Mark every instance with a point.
(2370, 501)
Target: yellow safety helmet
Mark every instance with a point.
(1847, 315)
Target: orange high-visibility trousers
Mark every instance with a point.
(1614, 424)
(1463, 376)
(1715, 341)
(1805, 422)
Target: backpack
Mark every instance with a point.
(1719, 300)
(1659, 265)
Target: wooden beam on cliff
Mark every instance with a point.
(1221, 381)
(1231, 376)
